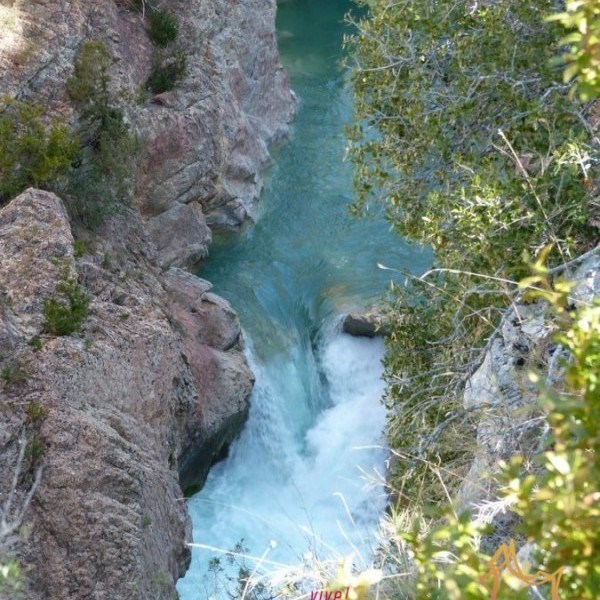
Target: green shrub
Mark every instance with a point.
(80, 248)
(11, 577)
(35, 411)
(106, 261)
(167, 73)
(101, 185)
(14, 374)
(559, 504)
(161, 580)
(101, 182)
(476, 137)
(36, 343)
(163, 27)
(64, 316)
(31, 153)
(466, 133)
(88, 87)
(35, 447)
(465, 128)
(170, 66)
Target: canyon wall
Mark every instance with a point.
(155, 385)
(204, 143)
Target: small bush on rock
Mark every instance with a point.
(163, 27)
(14, 374)
(88, 87)
(168, 73)
(66, 316)
(36, 412)
(31, 153)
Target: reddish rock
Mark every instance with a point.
(146, 395)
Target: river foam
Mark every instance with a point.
(319, 492)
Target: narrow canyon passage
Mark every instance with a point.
(296, 475)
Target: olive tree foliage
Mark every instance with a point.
(465, 130)
(463, 126)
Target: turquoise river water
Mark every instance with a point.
(295, 481)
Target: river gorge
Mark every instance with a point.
(297, 475)
(181, 408)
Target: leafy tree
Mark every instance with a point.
(88, 87)
(169, 63)
(465, 131)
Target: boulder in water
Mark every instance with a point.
(369, 324)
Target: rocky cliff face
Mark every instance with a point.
(155, 380)
(154, 386)
(204, 143)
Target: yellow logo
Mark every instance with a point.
(505, 558)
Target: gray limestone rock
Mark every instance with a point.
(180, 235)
(500, 391)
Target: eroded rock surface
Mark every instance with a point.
(501, 393)
(203, 143)
(155, 385)
(211, 345)
(156, 382)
